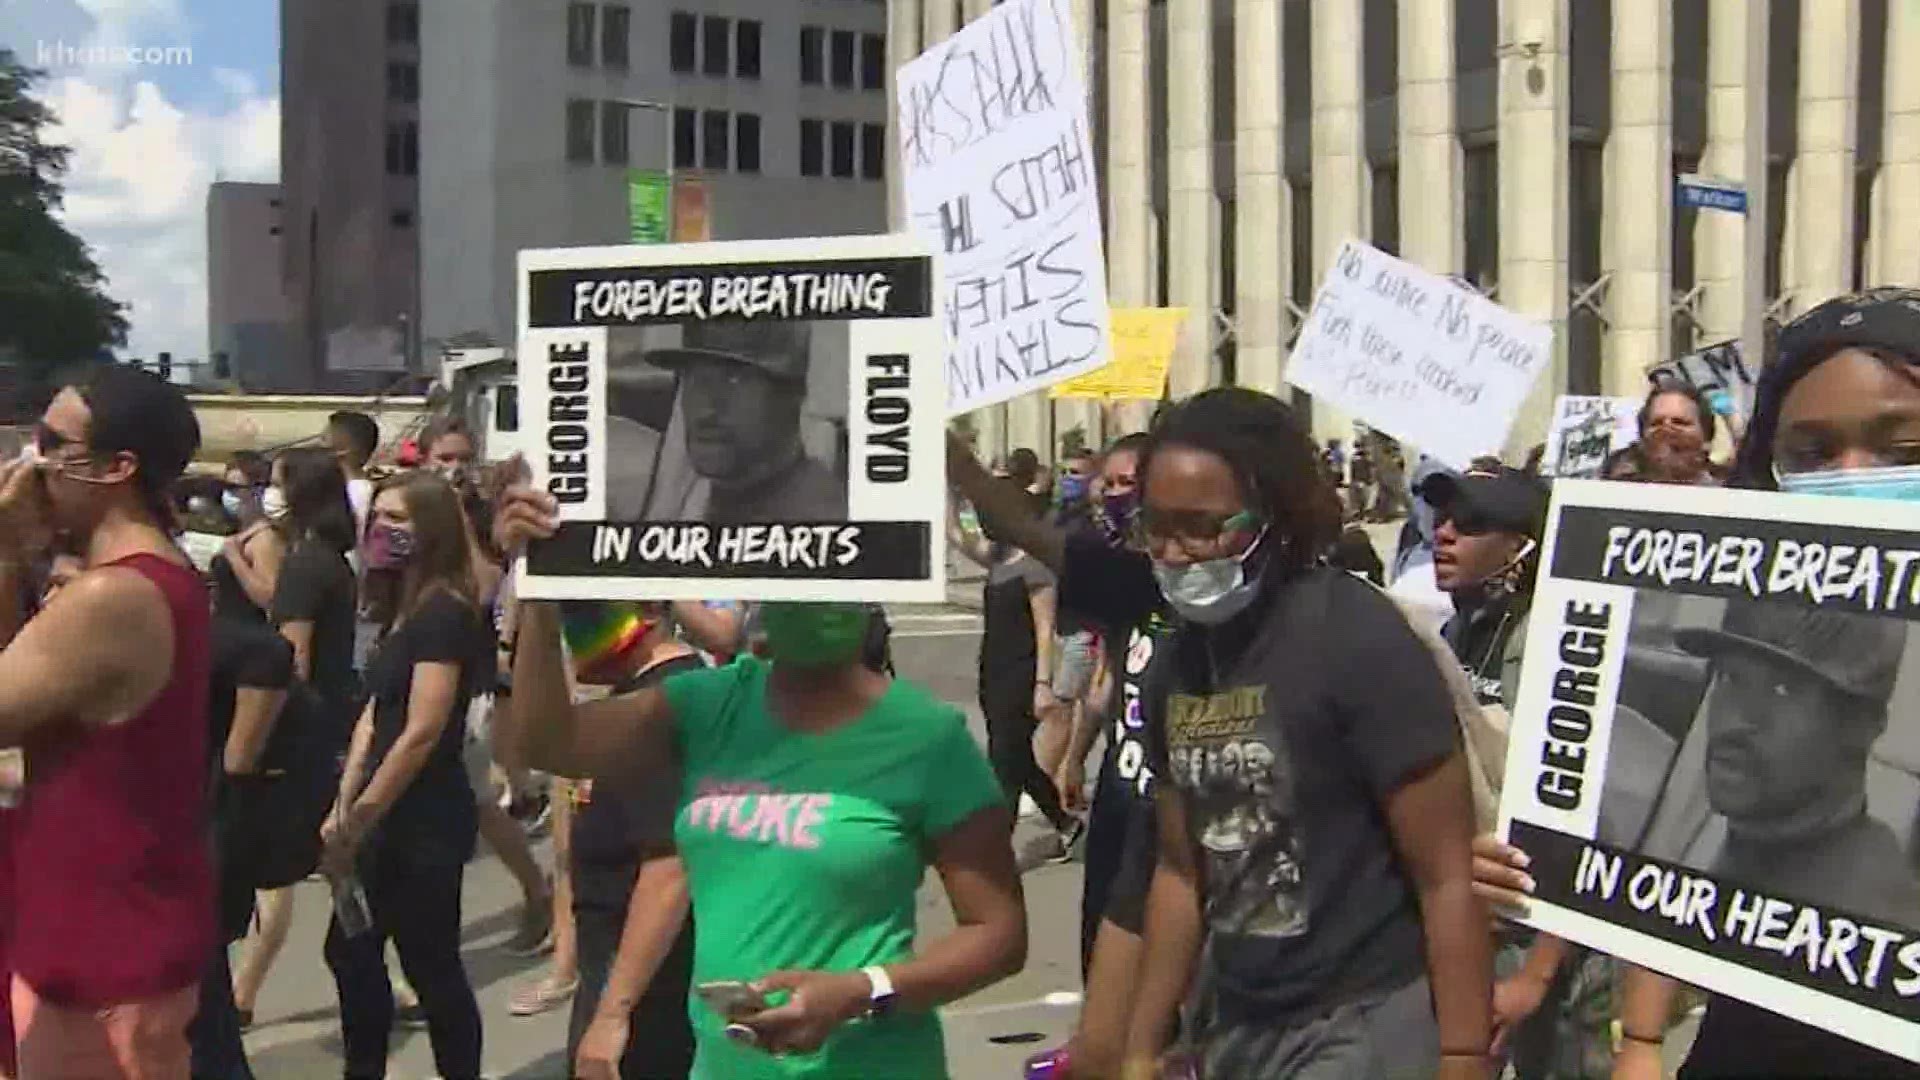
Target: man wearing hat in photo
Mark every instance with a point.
(1486, 527)
(742, 386)
(1799, 697)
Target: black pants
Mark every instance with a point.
(416, 903)
(1010, 726)
(1106, 846)
(660, 1037)
(218, 1053)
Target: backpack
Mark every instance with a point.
(274, 827)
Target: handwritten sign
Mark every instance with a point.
(1722, 375)
(1426, 360)
(1143, 344)
(999, 177)
(1585, 431)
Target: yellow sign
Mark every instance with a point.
(1143, 341)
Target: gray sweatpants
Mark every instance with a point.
(1389, 1037)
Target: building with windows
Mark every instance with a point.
(536, 114)
(1531, 146)
(248, 333)
(349, 175)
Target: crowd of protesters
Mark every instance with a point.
(1287, 841)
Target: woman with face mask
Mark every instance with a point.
(1836, 413)
(405, 823)
(1308, 771)
(814, 793)
(1676, 434)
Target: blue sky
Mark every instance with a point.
(148, 137)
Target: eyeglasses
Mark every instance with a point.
(1198, 534)
(48, 441)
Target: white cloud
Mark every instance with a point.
(137, 187)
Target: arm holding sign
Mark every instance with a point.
(612, 737)
(1006, 512)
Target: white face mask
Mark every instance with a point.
(1210, 592)
(274, 503)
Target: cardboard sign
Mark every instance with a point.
(1586, 431)
(1427, 360)
(1722, 375)
(1715, 758)
(998, 170)
(1143, 344)
(736, 421)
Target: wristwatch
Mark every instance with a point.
(881, 997)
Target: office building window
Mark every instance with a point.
(873, 151)
(843, 58)
(402, 219)
(580, 131)
(746, 142)
(580, 19)
(403, 23)
(715, 126)
(812, 135)
(682, 30)
(842, 149)
(403, 83)
(616, 27)
(410, 149)
(394, 161)
(613, 132)
(813, 43)
(746, 48)
(714, 33)
(686, 130)
(873, 62)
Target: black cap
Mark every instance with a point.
(1506, 498)
(779, 349)
(1858, 655)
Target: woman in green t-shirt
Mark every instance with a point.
(814, 792)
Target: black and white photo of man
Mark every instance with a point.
(742, 393)
(1798, 699)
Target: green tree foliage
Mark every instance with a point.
(54, 308)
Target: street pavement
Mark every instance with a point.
(296, 1031)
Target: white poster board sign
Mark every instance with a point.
(748, 421)
(1585, 431)
(1723, 376)
(998, 168)
(1715, 755)
(1427, 360)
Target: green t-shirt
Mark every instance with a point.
(804, 852)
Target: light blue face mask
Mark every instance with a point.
(1210, 592)
(1899, 482)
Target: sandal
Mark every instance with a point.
(542, 996)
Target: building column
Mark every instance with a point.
(903, 44)
(1085, 415)
(1637, 223)
(1191, 212)
(1819, 258)
(1342, 182)
(1720, 239)
(1896, 196)
(973, 9)
(1432, 205)
(1533, 168)
(937, 22)
(1130, 276)
(1261, 243)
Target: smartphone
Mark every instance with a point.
(731, 999)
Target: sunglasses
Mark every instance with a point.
(1195, 533)
(1466, 520)
(46, 440)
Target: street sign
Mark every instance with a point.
(1710, 193)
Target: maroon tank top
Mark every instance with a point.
(113, 887)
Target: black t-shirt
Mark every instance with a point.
(316, 586)
(618, 823)
(244, 654)
(230, 599)
(1008, 648)
(436, 817)
(1284, 730)
(1741, 1040)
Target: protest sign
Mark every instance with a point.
(1143, 344)
(1427, 360)
(754, 421)
(1722, 375)
(649, 198)
(1715, 758)
(1585, 430)
(998, 170)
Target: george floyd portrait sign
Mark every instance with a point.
(1715, 761)
(758, 421)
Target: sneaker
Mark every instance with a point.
(1047, 849)
(535, 935)
(543, 996)
(1072, 841)
(410, 1015)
